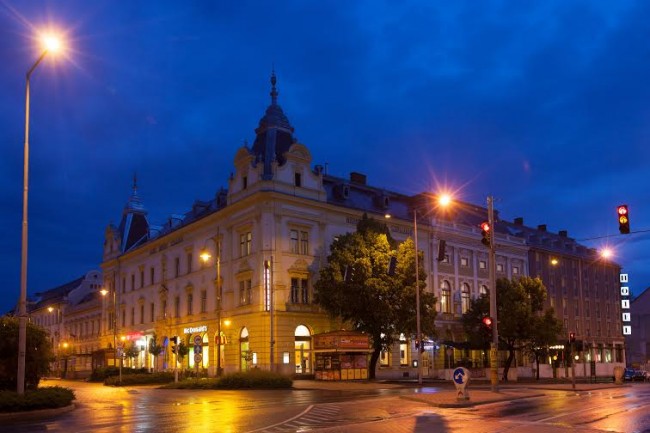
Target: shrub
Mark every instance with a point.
(139, 379)
(42, 398)
(253, 379)
(101, 374)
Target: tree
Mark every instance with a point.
(155, 349)
(478, 335)
(545, 330)
(523, 323)
(182, 351)
(37, 356)
(355, 286)
(132, 351)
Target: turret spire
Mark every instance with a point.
(274, 92)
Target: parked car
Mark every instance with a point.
(632, 374)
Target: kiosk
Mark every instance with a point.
(341, 355)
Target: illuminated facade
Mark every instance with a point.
(250, 304)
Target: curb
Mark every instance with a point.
(37, 413)
(469, 403)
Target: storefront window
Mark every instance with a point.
(403, 351)
(244, 350)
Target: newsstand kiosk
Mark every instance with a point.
(341, 355)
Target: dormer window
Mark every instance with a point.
(297, 179)
(346, 191)
(244, 182)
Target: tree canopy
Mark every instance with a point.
(355, 285)
(37, 356)
(523, 322)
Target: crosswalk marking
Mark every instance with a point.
(311, 417)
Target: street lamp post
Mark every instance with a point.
(494, 371)
(51, 46)
(418, 334)
(205, 256)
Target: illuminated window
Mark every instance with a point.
(445, 297)
(464, 298)
(403, 351)
(482, 264)
(499, 267)
(483, 290)
(464, 261)
(204, 301)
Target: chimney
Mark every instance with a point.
(358, 178)
(541, 227)
(519, 221)
(563, 233)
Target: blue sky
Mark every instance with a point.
(544, 105)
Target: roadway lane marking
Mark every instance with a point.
(283, 422)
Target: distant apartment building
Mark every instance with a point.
(584, 289)
(71, 314)
(638, 342)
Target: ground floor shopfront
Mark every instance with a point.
(239, 342)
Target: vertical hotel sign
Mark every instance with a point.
(625, 304)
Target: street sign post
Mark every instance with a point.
(460, 377)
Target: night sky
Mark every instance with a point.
(544, 105)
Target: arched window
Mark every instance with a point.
(302, 349)
(244, 349)
(445, 297)
(464, 298)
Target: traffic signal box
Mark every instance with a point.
(623, 219)
(485, 233)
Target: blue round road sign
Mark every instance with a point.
(459, 376)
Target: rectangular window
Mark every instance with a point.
(293, 235)
(464, 261)
(299, 291)
(245, 240)
(204, 301)
(499, 267)
(151, 312)
(304, 242)
(132, 315)
(177, 306)
(446, 259)
(384, 358)
(482, 264)
(132, 281)
(515, 270)
(244, 182)
(297, 179)
(177, 267)
(123, 312)
(189, 263)
(587, 312)
(142, 278)
(164, 308)
(123, 284)
(151, 275)
(245, 292)
(142, 313)
(190, 301)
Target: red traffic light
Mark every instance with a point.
(485, 226)
(487, 321)
(622, 210)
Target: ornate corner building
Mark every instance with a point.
(248, 302)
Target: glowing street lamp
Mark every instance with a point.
(52, 45)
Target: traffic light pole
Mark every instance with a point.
(494, 371)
